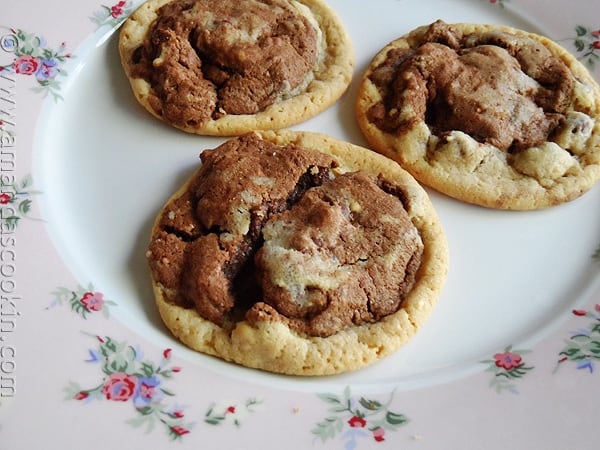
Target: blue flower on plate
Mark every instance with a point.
(9, 43)
(94, 356)
(47, 70)
(586, 364)
(147, 391)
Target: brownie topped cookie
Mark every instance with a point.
(319, 256)
(487, 114)
(228, 67)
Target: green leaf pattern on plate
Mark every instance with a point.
(357, 418)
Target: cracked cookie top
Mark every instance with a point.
(487, 114)
(272, 234)
(228, 67)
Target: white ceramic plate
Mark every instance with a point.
(84, 358)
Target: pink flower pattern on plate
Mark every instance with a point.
(93, 301)
(112, 15)
(129, 378)
(507, 360)
(583, 346)
(83, 300)
(119, 387)
(587, 45)
(508, 367)
(231, 412)
(357, 419)
(16, 197)
(32, 57)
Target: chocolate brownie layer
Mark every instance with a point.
(274, 223)
(346, 253)
(272, 232)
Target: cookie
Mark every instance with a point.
(296, 253)
(487, 114)
(225, 68)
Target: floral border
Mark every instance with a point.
(231, 412)
(587, 45)
(507, 367)
(15, 200)
(144, 388)
(113, 15)
(354, 419)
(130, 378)
(582, 348)
(82, 300)
(33, 57)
